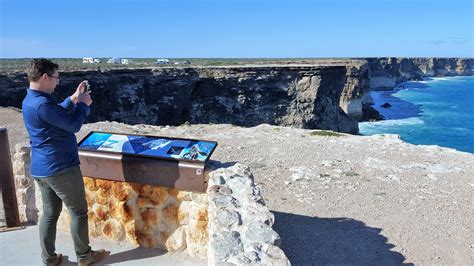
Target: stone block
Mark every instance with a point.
(197, 238)
(176, 241)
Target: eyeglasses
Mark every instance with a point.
(56, 77)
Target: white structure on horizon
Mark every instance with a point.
(87, 60)
(114, 60)
(126, 61)
(162, 61)
(90, 60)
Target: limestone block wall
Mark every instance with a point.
(240, 224)
(229, 224)
(26, 193)
(145, 215)
(149, 216)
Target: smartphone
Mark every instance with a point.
(88, 87)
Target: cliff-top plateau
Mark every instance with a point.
(337, 198)
(340, 198)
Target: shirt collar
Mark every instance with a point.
(36, 92)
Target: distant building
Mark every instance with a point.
(185, 62)
(96, 60)
(162, 61)
(126, 61)
(114, 60)
(88, 60)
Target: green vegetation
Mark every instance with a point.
(69, 64)
(326, 133)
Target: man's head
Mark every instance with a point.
(43, 75)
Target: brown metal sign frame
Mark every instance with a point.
(183, 174)
(149, 156)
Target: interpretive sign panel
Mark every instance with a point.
(163, 161)
(161, 147)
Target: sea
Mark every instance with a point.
(434, 111)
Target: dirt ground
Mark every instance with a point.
(342, 199)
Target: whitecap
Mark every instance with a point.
(461, 129)
(395, 122)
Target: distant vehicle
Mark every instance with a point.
(162, 61)
(88, 60)
(185, 62)
(114, 60)
(126, 61)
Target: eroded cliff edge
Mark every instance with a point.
(387, 72)
(333, 96)
(304, 96)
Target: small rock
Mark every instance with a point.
(227, 244)
(228, 218)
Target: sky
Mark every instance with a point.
(236, 29)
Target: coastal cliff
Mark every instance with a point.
(312, 95)
(303, 96)
(388, 72)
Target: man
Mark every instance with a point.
(55, 160)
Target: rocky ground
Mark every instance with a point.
(341, 198)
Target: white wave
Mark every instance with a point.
(434, 79)
(394, 122)
(461, 129)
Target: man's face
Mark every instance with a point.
(53, 80)
(49, 82)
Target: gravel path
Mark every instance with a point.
(343, 199)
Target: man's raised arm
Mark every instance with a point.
(57, 116)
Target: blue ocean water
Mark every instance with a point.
(435, 111)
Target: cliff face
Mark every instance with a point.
(356, 89)
(330, 96)
(304, 96)
(387, 72)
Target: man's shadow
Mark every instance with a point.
(319, 241)
(134, 254)
(124, 256)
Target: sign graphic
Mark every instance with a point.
(186, 149)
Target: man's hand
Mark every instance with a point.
(85, 98)
(80, 90)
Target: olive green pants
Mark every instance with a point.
(66, 186)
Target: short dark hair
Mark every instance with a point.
(40, 66)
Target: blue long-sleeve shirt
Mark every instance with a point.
(51, 127)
